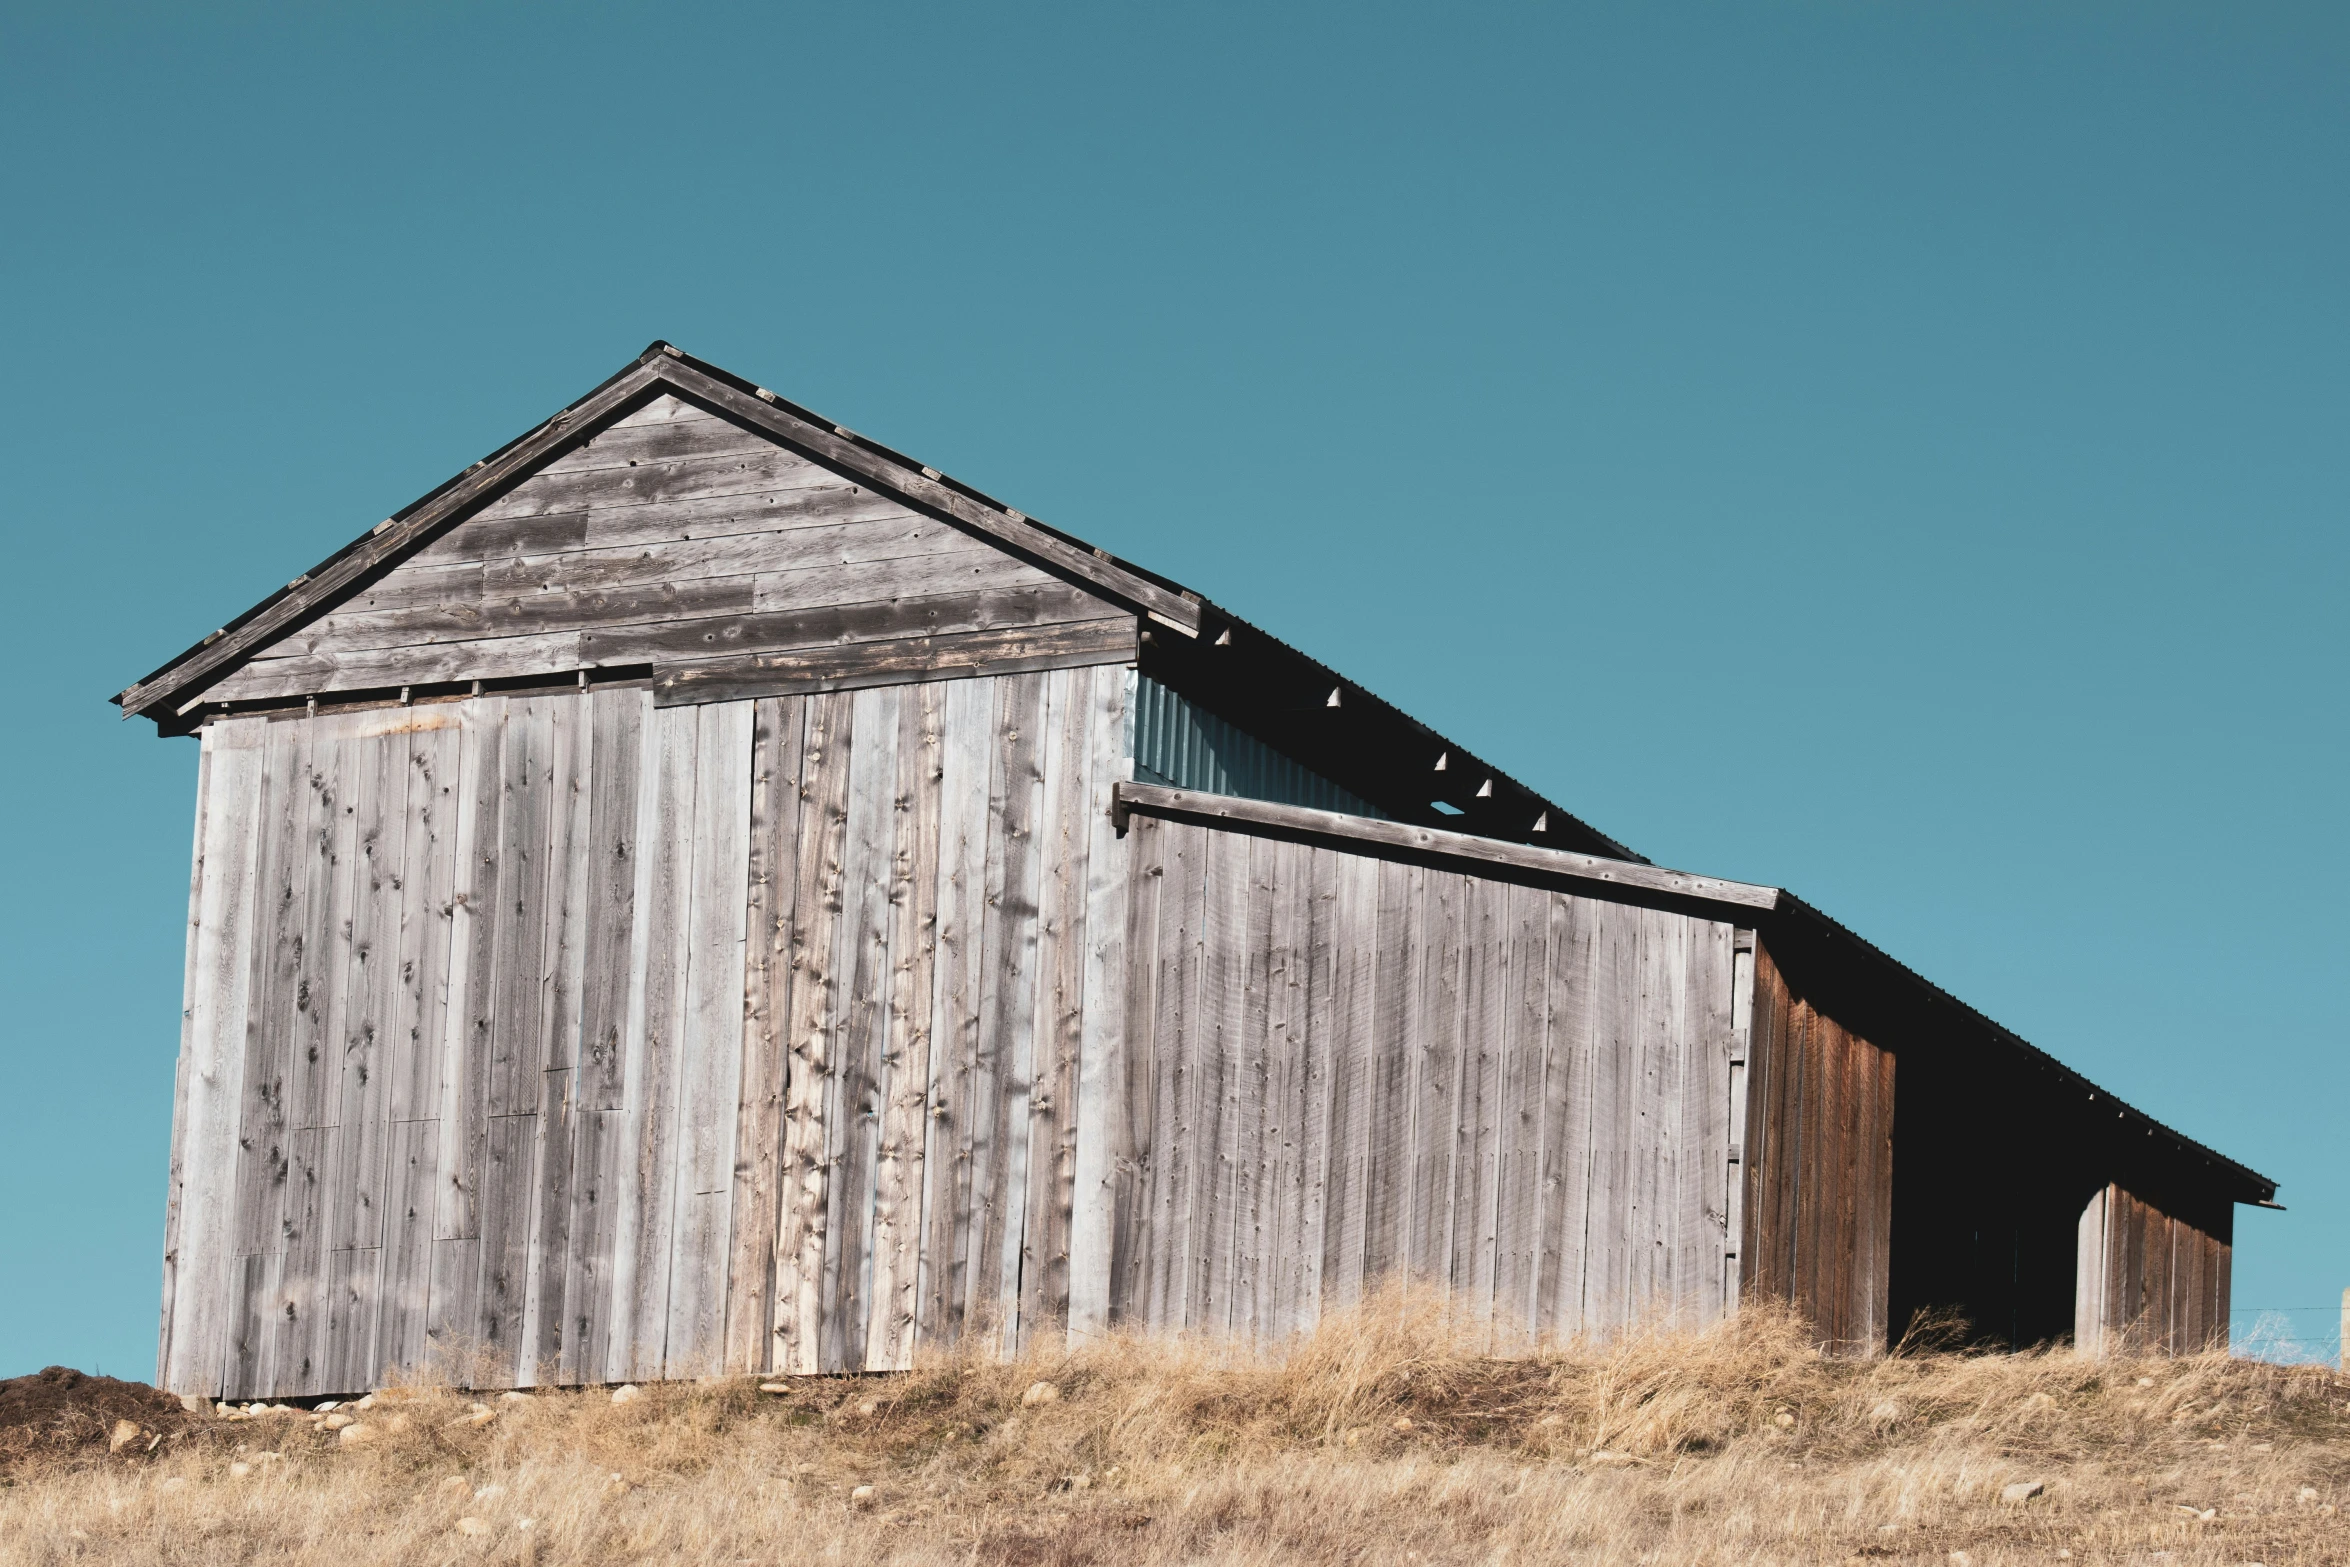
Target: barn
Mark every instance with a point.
(702, 893)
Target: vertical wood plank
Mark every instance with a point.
(905, 1058)
(645, 1230)
(1436, 1080)
(1058, 1040)
(1472, 1242)
(959, 1131)
(1517, 1203)
(778, 731)
(861, 960)
(1134, 1101)
(1568, 1072)
(563, 1040)
(1351, 914)
(611, 965)
(816, 918)
(1249, 1086)
(1103, 1089)
(1215, 1133)
(1185, 1088)
(287, 812)
(1008, 978)
(232, 808)
(1395, 1036)
(709, 1038)
(1301, 1076)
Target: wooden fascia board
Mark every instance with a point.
(405, 533)
(1157, 799)
(1138, 592)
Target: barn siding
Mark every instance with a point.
(681, 540)
(1817, 1208)
(2150, 1282)
(1343, 1069)
(560, 1037)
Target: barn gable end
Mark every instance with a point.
(707, 554)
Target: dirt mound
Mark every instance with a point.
(61, 1409)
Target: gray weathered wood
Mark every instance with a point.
(1102, 1134)
(1008, 979)
(643, 1247)
(860, 962)
(231, 813)
(709, 1039)
(778, 730)
(903, 1149)
(854, 666)
(1428, 840)
(816, 904)
(958, 1138)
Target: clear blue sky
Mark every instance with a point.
(1891, 451)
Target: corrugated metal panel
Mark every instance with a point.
(1188, 747)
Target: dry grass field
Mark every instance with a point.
(1389, 1437)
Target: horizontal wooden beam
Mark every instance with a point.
(925, 488)
(1158, 800)
(852, 666)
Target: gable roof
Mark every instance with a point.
(1255, 680)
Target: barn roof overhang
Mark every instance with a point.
(1892, 1002)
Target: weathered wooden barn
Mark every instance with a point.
(700, 892)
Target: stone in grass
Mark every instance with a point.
(2021, 1492)
(775, 1387)
(125, 1433)
(355, 1435)
(1040, 1393)
(627, 1393)
(862, 1496)
(338, 1422)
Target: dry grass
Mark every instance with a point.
(1385, 1438)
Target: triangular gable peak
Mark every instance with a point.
(682, 525)
(705, 553)
(676, 525)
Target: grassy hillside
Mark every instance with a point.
(1391, 1436)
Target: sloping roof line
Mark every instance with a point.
(665, 367)
(1741, 900)
(661, 367)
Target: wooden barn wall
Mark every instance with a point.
(683, 541)
(1817, 1210)
(2149, 1282)
(1340, 1069)
(564, 1037)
